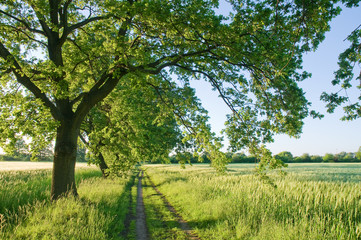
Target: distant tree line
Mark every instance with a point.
(20, 152)
(285, 156)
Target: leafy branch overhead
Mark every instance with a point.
(70, 55)
(347, 77)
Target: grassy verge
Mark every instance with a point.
(99, 212)
(238, 206)
(161, 223)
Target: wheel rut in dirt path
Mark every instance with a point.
(130, 216)
(183, 224)
(140, 222)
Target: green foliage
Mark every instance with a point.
(351, 3)
(22, 157)
(131, 126)
(358, 154)
(345, 77)
(19, 152)
(285, 156)
(43, 154)
(316, 158)
(22, 116)
(60, 59)
(329, 157)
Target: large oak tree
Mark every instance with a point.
(59, 58)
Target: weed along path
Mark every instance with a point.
(162, 219)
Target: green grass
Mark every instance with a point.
(99, 212)
(314, 201)
(161, 223)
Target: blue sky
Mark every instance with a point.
(329, 135)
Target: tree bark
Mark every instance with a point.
(63, 178)
(103, 165)
(101, 161)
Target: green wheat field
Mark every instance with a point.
(313, 201)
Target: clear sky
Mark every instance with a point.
(329, 135)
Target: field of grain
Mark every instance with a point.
(20, 166)
(313, 201)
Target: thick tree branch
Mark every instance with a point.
(78, 98)
(70, 29)
(98, 92)
(107, 81)
(101, 81)
(158, 65)
(45, 27)
(54, 5)
(26, 82)
(123, 28)
(84, 140)
(85, 22)
(64, 20)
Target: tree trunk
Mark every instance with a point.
(101, 162)
(103, 165)
(63, 179)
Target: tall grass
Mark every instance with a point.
(98, 213)
(238, 206)
(23, 188)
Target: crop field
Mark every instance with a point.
(19, 166)
(313, 201)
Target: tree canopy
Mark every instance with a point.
(60, 58)
(347, 77)
(131, 125)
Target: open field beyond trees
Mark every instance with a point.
(20, 165)
(313, 201)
